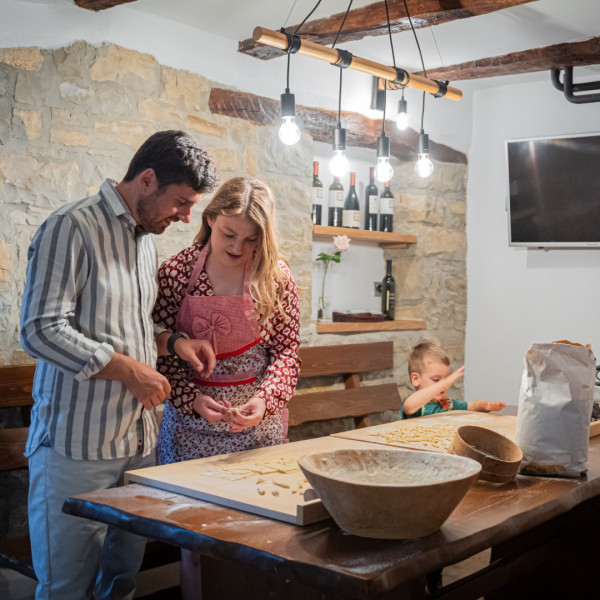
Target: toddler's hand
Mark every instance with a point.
(491, 406)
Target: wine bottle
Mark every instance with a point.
(351, 212)
(335, 202)
(386, 209)
(388, 293)
(317, 195)
(371, 203)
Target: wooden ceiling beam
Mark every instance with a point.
(574, 54)
(361, 131)
(372, 20)
(97, 5)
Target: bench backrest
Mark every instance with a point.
(355, 400)
(16, 385)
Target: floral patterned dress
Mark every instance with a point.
(273, 360)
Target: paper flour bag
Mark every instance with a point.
(555, 405)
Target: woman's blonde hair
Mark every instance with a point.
(253, 199)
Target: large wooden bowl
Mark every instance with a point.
(384, 493)
(499, 457)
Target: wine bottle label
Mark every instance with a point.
(389, 302)
(351, 218)
(386, 206)
(373, 204)
(336, 198)
(317, 196)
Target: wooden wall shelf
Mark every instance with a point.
(384, 239)
(400, 325)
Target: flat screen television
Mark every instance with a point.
(554, 191)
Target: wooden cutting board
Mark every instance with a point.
(434, 432)
(265, 481)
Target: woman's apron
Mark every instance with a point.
(230, 324)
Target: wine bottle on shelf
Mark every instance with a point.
(386, 209)
(351, 212)
(317, 195)
(388, 293)
(371, 203)
(335, 201)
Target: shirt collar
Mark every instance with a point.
(119, 207)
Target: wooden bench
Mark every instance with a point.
(16, 385)
(355, 400)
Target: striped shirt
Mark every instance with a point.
(90, 290)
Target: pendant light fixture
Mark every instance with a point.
(289, 132)
(423, 166)
(402, 117)
(339, 166)
(383, 169)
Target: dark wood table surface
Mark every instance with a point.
(517, 520)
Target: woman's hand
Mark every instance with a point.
(210, 409)
(247, 415)
(199, 353)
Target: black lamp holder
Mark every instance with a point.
(423, 143)
(288, 104)
(339, 138)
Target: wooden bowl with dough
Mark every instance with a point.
(499, 457)
(391, 494)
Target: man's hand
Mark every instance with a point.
(247, 415)
(144, 382)
(210, 409)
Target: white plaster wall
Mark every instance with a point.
(351, 281)
(519, 296)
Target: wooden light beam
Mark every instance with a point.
(330, 55)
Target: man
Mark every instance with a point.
(86, 316)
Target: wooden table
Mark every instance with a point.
(542, 532)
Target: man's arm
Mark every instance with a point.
(58, 267)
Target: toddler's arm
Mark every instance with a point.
(421, 397)
(485, 406)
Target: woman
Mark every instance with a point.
(231, 288)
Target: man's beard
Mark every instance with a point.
(144, 215)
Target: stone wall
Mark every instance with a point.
(71, 117)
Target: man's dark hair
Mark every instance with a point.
(176, 158)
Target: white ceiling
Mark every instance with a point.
(533, 25)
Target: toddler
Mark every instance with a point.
(429, 369)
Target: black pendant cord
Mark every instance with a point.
(342, 24)
(422, 61)
(384, 105)
(387, 14)
(339, 123)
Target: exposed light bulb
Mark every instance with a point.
(402, 117)
(339, 165)
(424, 166)
(383, 170)
(289, 132)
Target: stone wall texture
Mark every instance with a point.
(71, 117)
